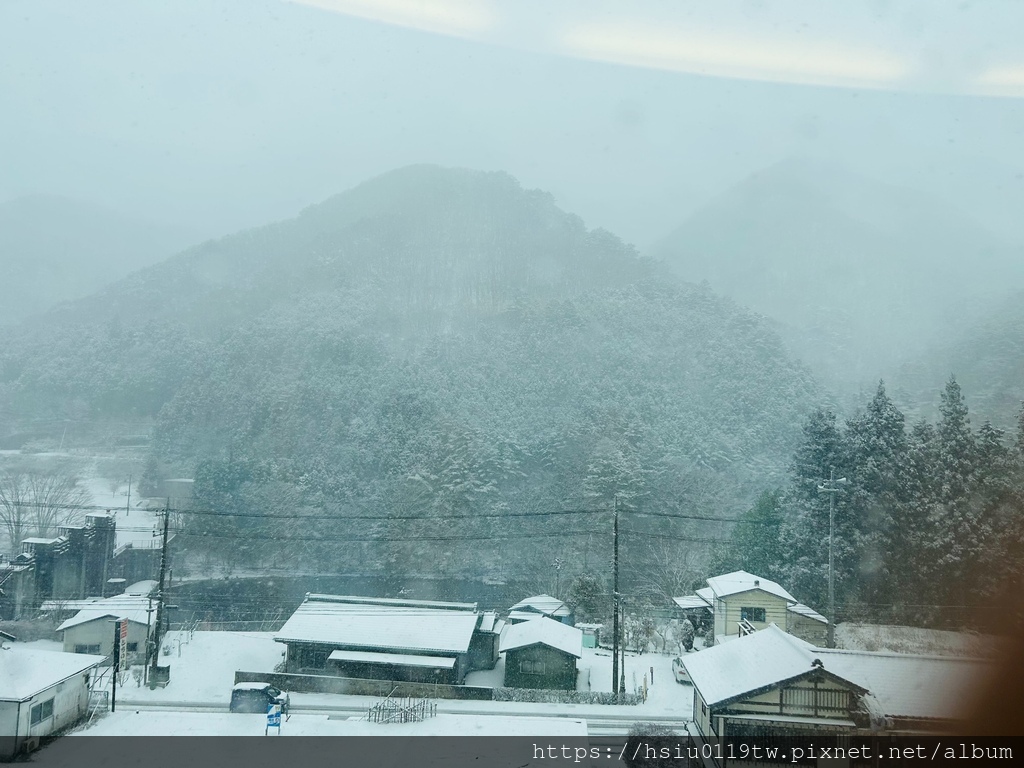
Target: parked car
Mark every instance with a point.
(679, 671)
(257, 697)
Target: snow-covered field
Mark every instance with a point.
(148, 723)
(205, 669)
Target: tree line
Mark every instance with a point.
(929, 527)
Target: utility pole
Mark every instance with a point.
(615, 595)
(116, 666)
(160, 590)
(831, 487)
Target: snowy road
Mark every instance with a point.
(601, 720)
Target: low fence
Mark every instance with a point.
(357, 686)
(540, 696)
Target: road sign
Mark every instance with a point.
(273, 718)
(123, 637)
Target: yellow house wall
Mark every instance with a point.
(727, 611)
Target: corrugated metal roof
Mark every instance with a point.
(27, 671)
(365, 625)
(546, 604)
(394, 659)
(544, 631)
(393, 601)
(807, 611)
(691, 601)
(740, 581)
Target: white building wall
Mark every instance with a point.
(101, 632)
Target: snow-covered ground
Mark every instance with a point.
(205, 672)
(148, 723)
(205, 669)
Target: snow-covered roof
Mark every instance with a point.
(24, 672)
(391, 601)
(706, 594)
(740, 581)
(691, 601)
(747, 664)
(395, 659)
(489, 622)
(39, 540)
(545, 604)
(898, 685)
(131, 607)
(905, 685)
(544, 631)
(145, 587)
(395, 625)
(253, 686)
(807, 612)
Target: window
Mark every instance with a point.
(132, 647)
(529, 667)
(704, 709)
(752, 614)
(42, 711)
(82, 648)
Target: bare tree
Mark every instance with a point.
(37, 503)
(668, 570)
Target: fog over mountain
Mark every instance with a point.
(859, 275)
(55, 249)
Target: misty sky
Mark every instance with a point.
(220, 115)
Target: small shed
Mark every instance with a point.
(591, 634)
(542, 653)
(41, 694)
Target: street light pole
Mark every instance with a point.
(615, 595)
(831, 487)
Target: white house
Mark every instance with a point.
(41, 693)
(91, 630)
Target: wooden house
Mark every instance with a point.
(542, 653)
(772, 684)
(389, 639)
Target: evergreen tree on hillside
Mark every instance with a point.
(806, 530)
(878, 448)
(955, 442)
(757, 544)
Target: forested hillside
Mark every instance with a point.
(438, 357)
